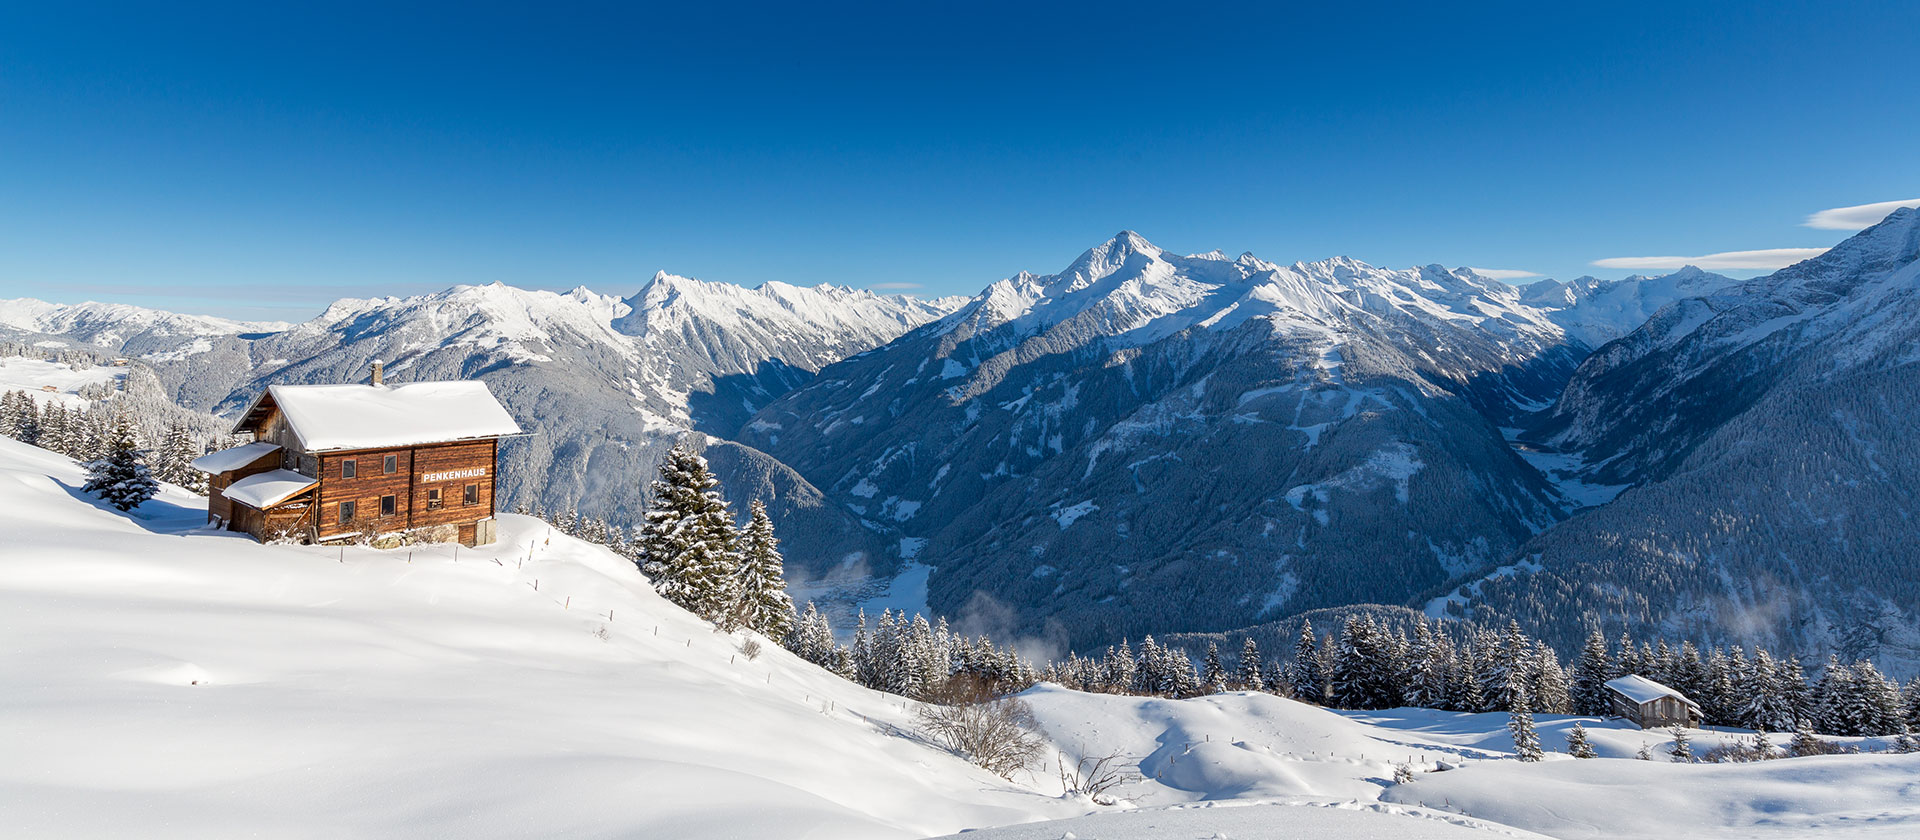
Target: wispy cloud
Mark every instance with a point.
(1503, 273)
(894, 287)
(1857, 217)
(1769, 258)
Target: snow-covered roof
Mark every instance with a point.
(1639, 689)
(235, 458)
(268, 489)
(327, 417)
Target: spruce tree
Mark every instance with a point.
(1309, 682)
(1682, 749)
(688, 545)
(1214, 679)
(1250, 676)
(1590, 674)
(764, 603)
(1577, 744)
(1805, 741)
(120, 476)
(1526, 742)
(173, 463)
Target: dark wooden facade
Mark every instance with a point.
(361, 493)
(407, 488)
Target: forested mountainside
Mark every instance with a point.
(1771, 427)
(1147, 441)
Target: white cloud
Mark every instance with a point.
(1857, 217)
(894, 286)
(1503, 273)
(1768, 258)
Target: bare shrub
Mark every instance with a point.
(961, 689)
(750, 649)
(1094, 777)
(603, 634)
(998, 735)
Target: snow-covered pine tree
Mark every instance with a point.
(1423, 678)
(10, 414)
(1805, 741)
(1250, 675)
(1830, 699)
(173, 463)
(1214, 679)
(1526, 742)
(688, 545)
(1347, 682)
(1910, 698)
(1550, 693)
(120, 477)
(1878, 701)
(1577, 744)
(1150, 669)
(1682, 749)
(1309, 682)
(764, 603)
(1590, 674)
(1118, 671)
(1764, 701)
(1627, 660)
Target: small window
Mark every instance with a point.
(390, 464)
(346, 510)
(473, 494)
(389, 505)
(348, 469)
(434, 502)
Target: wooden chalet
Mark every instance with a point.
(333, 462)
(1651, 704)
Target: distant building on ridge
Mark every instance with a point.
(1651, 704)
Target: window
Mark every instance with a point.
(346, 510)
(390, 464)
(348, 469)
(473, 494)
(389, 505)
(434, 501)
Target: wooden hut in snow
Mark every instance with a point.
(332, 462)
(1651, 704)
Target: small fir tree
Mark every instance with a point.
(1526, 742)
(1250, 676)
(764, 603)
(1308, 680)
(120, 476)
(1805, 741)
(1577, 744)
(1682, 749)
(1214, 679)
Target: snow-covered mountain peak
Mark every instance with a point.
(111, 324)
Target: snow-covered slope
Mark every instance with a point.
(1770, 430)
(169, 682)
(1147, 442)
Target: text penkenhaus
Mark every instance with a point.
(371, 462)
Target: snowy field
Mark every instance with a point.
(18, 373)
(165, 681)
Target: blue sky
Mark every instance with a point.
(257, 162)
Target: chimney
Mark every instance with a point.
(378, 369)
